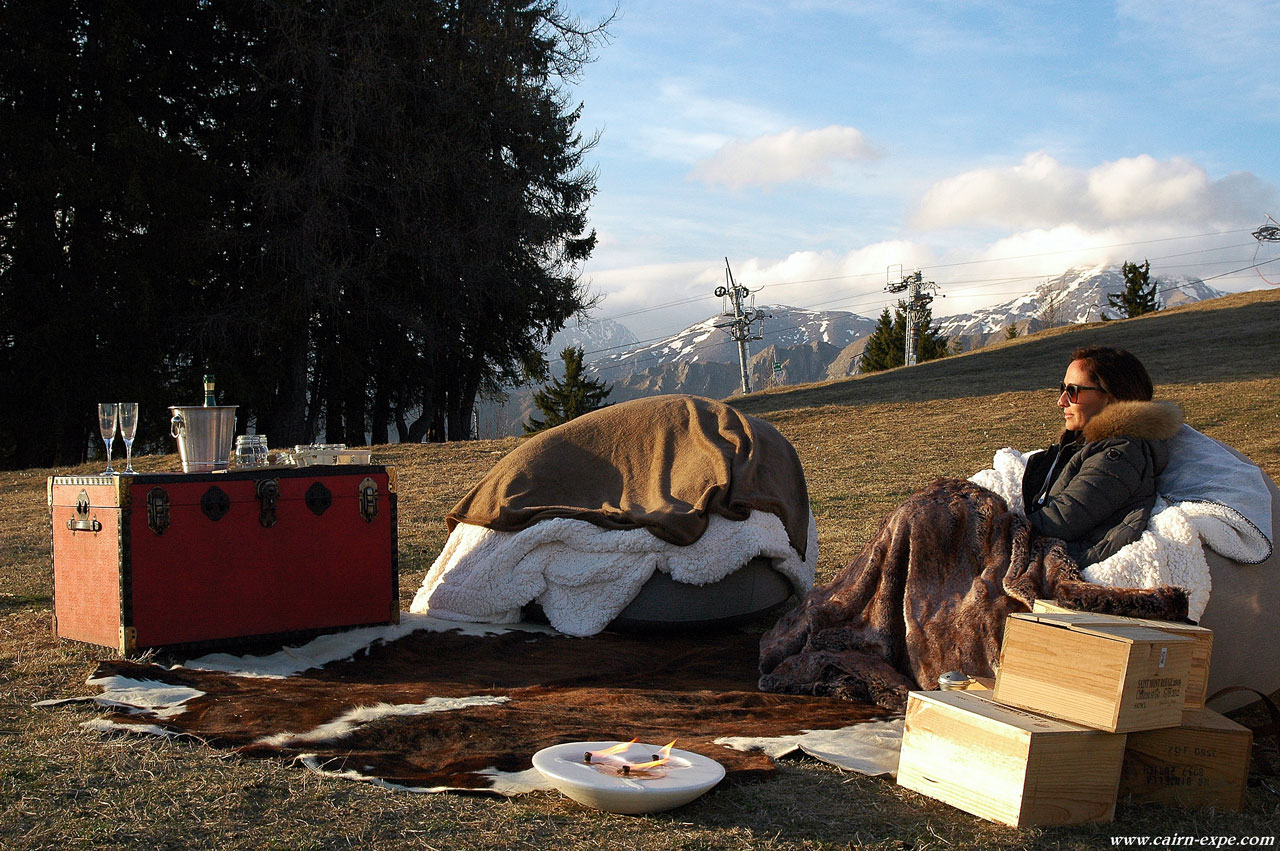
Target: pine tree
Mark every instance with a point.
(1139, 295)
(886, 346)
(1011, 331)
(567, 398)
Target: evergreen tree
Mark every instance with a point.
(886, 347)
(1011, 331)
(567, 398)
(108, 192)
(421, 212)
(355, 214)
(1139, 295)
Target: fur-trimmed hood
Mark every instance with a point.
(1147, 420)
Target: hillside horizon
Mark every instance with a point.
(1235, 334)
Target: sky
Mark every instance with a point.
(825, 147)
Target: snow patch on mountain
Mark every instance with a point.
(596, 337)
(708, 341)
(1077, 295)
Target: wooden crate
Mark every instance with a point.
(1201, 654)
(1203, 763)
(1113, 677)
(1006, 765)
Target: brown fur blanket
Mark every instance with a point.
(662, 463)
(930, 594)
(376, 716)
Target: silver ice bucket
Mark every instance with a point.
(204, 436)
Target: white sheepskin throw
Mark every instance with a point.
(1207, 495)
(583, 576)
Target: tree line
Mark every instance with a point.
(358, 214)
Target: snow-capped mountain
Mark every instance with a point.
(596, 337)
(806, 345)
(1077, 295)
(709, 341)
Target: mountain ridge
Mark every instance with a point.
(802, 346)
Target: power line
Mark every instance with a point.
(654, 357)
(979, 283)
(1242, 269)
(692, 299)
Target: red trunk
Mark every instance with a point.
(164, 559)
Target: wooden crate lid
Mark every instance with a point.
(1106, 629)
(1189, 629)
(984, 712)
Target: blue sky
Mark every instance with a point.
(816, 143)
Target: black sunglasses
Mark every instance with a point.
(1073, 391)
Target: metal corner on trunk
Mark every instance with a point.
(128, 640)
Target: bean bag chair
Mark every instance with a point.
(642, 513)
(1244, 614)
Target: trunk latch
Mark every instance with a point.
(368, 500)
(157, 510)
(269, 495)
(82, 522)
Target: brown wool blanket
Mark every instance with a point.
(929, 594)
(662, 463)
(437, 710)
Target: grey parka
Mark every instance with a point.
(1096, 489)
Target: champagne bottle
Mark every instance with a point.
(209, 400)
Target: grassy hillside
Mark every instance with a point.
(866, 442)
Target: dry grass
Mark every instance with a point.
(865, 443)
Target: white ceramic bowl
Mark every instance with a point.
(687, 776)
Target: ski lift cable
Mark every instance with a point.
(693, 299)
(656, 356)
(976, 284)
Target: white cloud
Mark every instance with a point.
(1041, 192)
(833, 272)
(1143, 187)
(792, 155)
(1043, 250)
(655, 298)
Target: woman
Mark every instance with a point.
(931, 591)
(1095, 489)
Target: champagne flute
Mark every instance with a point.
(128, 429)
(108, 415)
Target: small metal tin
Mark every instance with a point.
(954, 681)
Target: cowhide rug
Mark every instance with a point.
(435, 710)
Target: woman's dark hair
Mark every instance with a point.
(1116, 371)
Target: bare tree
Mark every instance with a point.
(1052, 299)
